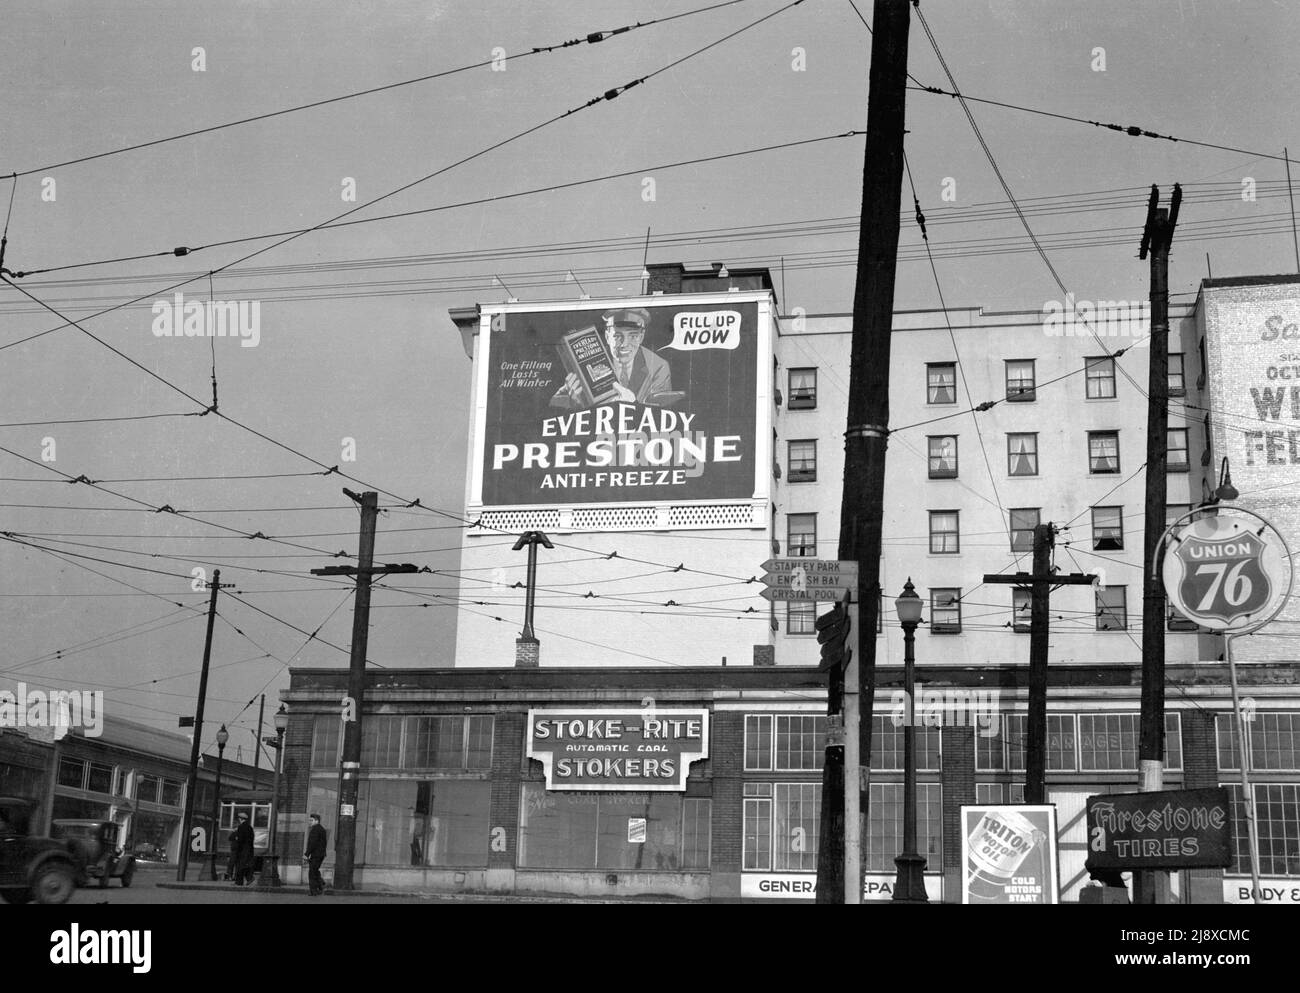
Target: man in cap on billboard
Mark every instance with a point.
(643, 376)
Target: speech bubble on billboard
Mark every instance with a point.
(693, 330)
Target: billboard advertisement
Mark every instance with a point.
(606, 749)
(1009, 854)
(1170, 829)
(612, 404)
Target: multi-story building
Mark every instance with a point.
(998, 422)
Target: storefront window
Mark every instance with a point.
(884, 840)
(325, 742)
(628, 831)
(780, 826)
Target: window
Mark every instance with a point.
(1177, 386)
(999, 793)
(1103, 451)
(785, 742)
(560, 830)
(800, 617)
(72, 773)
(780, 828)
(1178, 621)
(1274, 741)
(171, 792)
(1060, 743)
(1023, 522)
(802, 461)
(1004, 751)
(1107, 529)
(884, 841)
(1109, 742)
(413, 822)
(1176, 457)
(1173, 511)
(326, 742)
(1100, 373)
(944, 537)
(943, 456)
(1020, 380)
(945, 611)
(381, 741)
(1112, 610)
(801, 535)
(941, 382)
(100, 779)
(1022, 454)
(146, 788)
(887, 743)
(449, 742)
(803, 389)
(1277, 813)
(1021, 611)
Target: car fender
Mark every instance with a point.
(42, 859)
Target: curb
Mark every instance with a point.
(459, 895)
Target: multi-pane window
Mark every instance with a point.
(1176, 452)
(1274, 741)
(780, 830)
(1112, 608)
(448, 742)
(802, 461)
(1177, 387)
(944, 536)
(1277, 825)
(884, 841)
(100, 778)
(1100, 373)
(941, 382)
(784, 742)
(1060, 742)
(381, 741)
(1003, 751)
(325, 742)
(1103, 451)
(1103, 743)
(800, 617)
(1023, 522)
(1021, 611)
(945, 611)
(999, 793)
(1107, 528)
(943, 456)
(171, 792)
(801, 534)
(146, 788)
(887, 741)
(72, 773)
(1020, 380)
(803, 389)
(1022, 454)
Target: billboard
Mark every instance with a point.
(645, 402)
(1009, 854)
(1169, 829)
(609, 749)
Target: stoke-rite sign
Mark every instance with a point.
(612, 749)
(1168, 829)
(1221, 573)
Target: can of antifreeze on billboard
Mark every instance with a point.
(998, 845)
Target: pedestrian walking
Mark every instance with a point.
(315, 855)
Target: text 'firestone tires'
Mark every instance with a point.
(53, 884)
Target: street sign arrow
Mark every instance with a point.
(788, 593)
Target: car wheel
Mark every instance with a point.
(128, 874)
(53, 884)
(104, 877)
(16, 894)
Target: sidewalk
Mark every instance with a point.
(459, 895)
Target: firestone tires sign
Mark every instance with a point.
(1225, 573)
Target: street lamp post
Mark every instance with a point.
(270, 875)
(214, 844)
(909, 885)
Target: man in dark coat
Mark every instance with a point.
(315, 855)
(243, 851)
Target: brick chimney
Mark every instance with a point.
(764, 655)
(527, 653)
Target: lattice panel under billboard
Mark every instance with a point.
(614, 518)
(517, 520)
(721, 515)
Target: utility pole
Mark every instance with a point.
(862, 502)
(345, 836)
(1040, 585)
(191, 784)
(257, 751)
(1152, 886)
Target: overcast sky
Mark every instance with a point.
(355, 341)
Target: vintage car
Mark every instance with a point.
(94, 844)
(32, 868)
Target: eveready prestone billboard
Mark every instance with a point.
(621, 404)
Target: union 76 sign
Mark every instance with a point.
(1225, 574)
